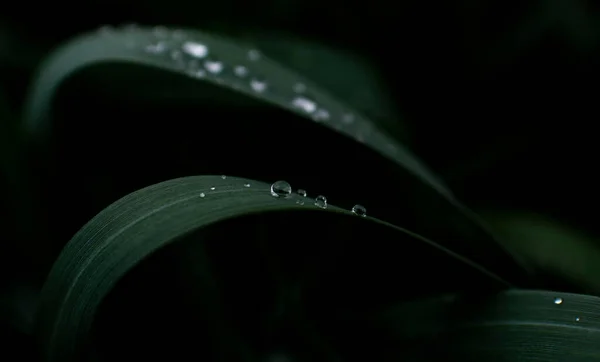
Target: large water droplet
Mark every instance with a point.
(359, 210)
(258, 85)
(202, 194)
(197, 50)
(305, 104)
(558, 300)
(214, 66)
(301, 192)
(240, 71)
(321, 201)
(254, 55)
(281, 189)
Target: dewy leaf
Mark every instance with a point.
(213, 60)
(131, 229)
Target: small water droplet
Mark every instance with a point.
(359, 210)
(305, 104)
(213, 66)
(247, 185)
(301, 192)
(202, 194)
(258, 85)
(197, 50)
(213, 188)
(223, 177)
(348, 118)
(321, 115)
(299, 88)
(240, 71)
(254, 55)
(281, 189)
(300, 202)
(577, 319)
(558, 300)
(321, 201)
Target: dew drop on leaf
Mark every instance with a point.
(577, 319)
(258, 85)
(281, 189)
(300, 202)
(305, 104)
(202, 194)
(321, 201)
(301, 192)
(240, 71)
(213, 188)
(213, 66)
(247, 184)
(359, 210)
(558, 300)
(196, 50)
(223, 177)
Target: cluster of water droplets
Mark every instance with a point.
(197, 58)
(282, 189)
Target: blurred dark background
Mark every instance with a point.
(498, 97)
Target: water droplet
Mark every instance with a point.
(321, 201)
(197, 50)
(359, 210)
(300, 202)
(299, 88)
(240, 71)
(213, 188)
(321, 115)
(305, 104)
(157, 48)
(348, 118)
(202, 194)
(281, 189)
(258, 85)
(558, 300)
(213, 66)
(301, 192)
(577, 319)
(247, 185)
(254, 55)
(223, 177)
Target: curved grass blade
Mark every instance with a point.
(132, 228)
(216, 60)
(513, 325)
